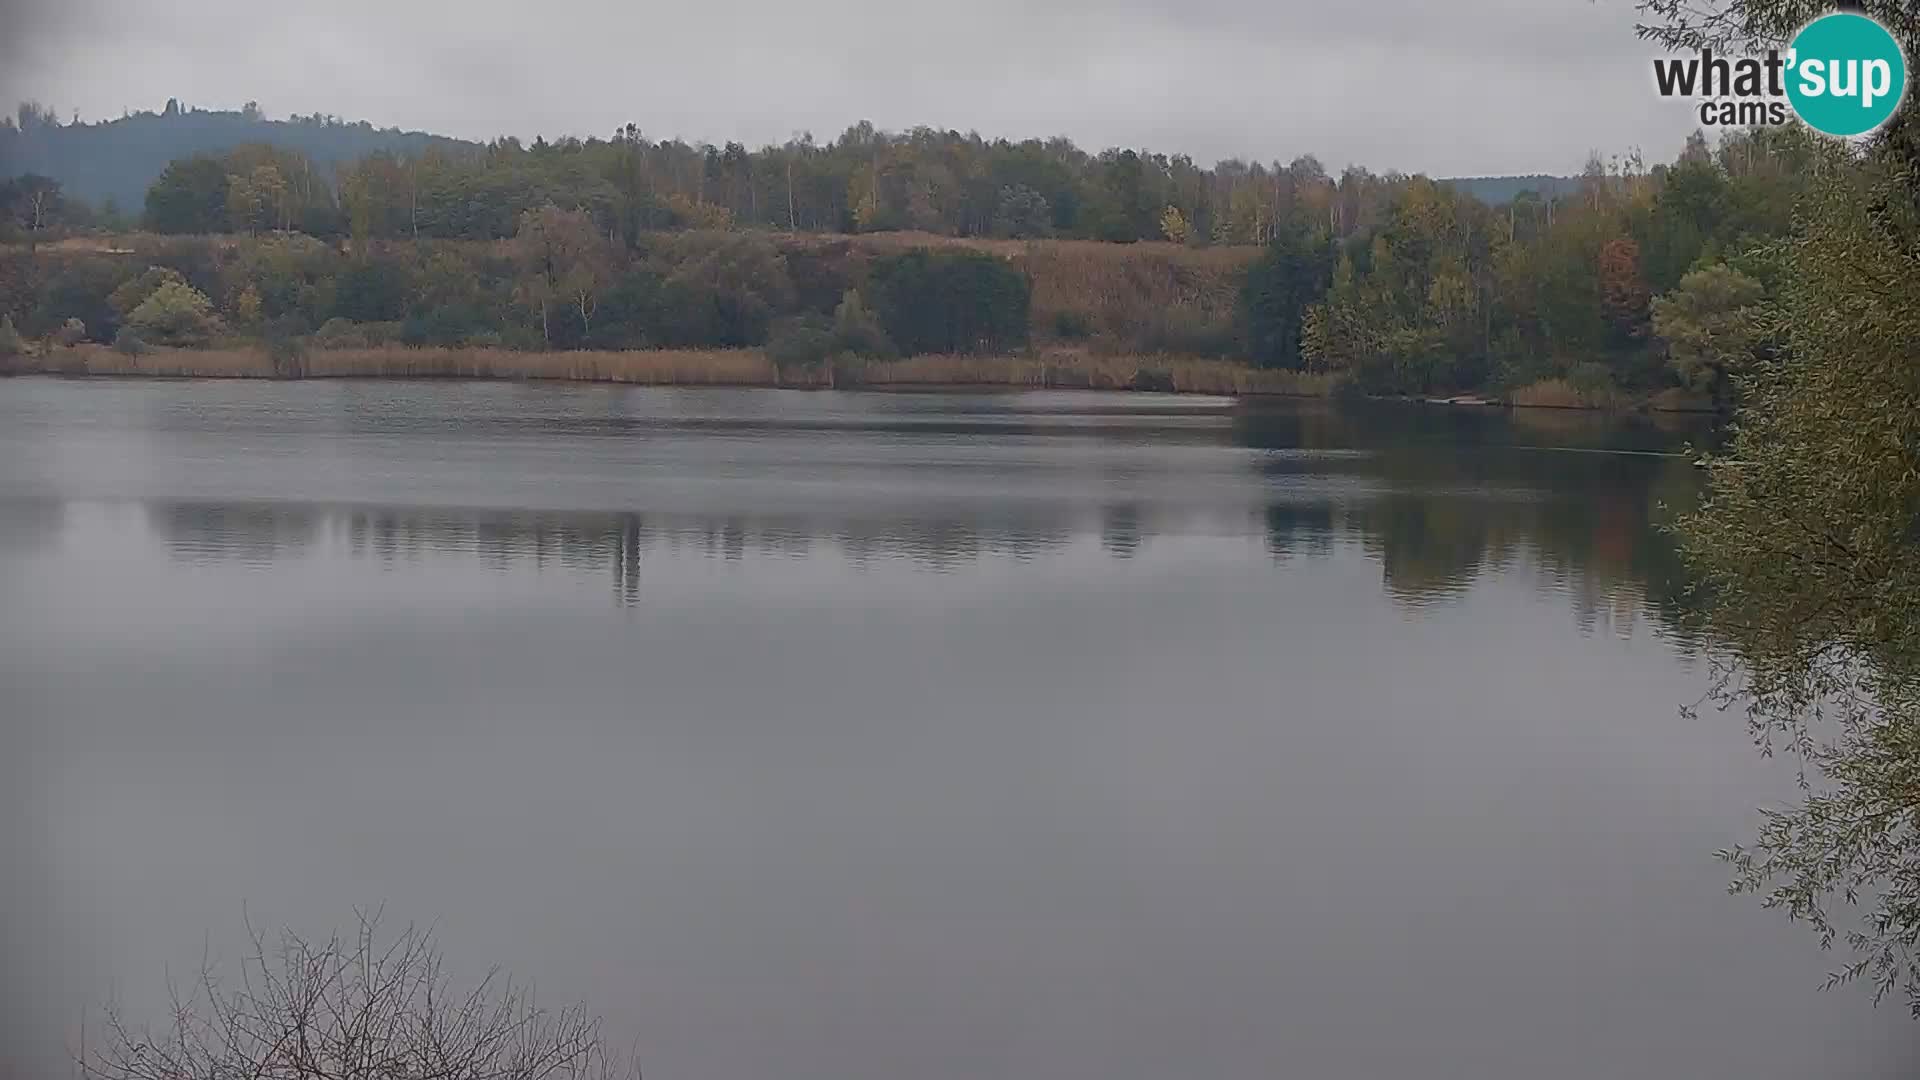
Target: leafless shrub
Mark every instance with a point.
(358, 1007)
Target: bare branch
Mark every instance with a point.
(360, 1008)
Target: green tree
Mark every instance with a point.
(1022, 212)
(801, 341)
(726, 294)
(175, 314)
(1290, 276)
(1685, 222)
(246, 307)
(1174, 226)
(258, 199)
(376, 195)
(292, 274)
(1411, 311)
(449, 302)
(81, 288)
(1713, 324)
(1336, 335)
(1810, 557)
(561, 263)
(134, 292)
(372, 291)
(857, 331)
(245, 204)
(951, 302)
(189, 197)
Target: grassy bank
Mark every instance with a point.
(1047, 368)
(1054, 368)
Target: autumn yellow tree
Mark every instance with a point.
(1173, 225)
(563, 260)
(257, 196)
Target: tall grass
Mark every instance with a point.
(1130, 293)
(1676, 400)
(1563, 394)
(677, 367)
(1057, 368)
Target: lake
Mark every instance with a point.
(874, 736)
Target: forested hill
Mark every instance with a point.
(1501, 190)
(119, 159)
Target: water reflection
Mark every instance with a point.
(1434, 530)
(251, 534)
(261, 533)
(30, 524)
(595, 479)
(868, 736)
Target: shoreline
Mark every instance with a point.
(1047, 370)
(750, 368)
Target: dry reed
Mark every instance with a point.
(1561, 394)
(678, 367)
(1058, 368)
(1676, 400)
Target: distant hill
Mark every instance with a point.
(1500, 190)
(119, 159)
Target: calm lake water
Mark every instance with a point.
(870, 737)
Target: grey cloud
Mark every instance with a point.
(1474, 86)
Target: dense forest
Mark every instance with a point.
(1625, 283)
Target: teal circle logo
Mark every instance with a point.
(1845, 74)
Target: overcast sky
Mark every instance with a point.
(1446, 87)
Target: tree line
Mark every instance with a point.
(557, 284)
(1631, 282)
(866, 180)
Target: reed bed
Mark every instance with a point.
(1561, 394)
(1054, 369)
(1193, 376)
(654, 367)
(1676, 400)
(1082, 370)
(958, 371)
